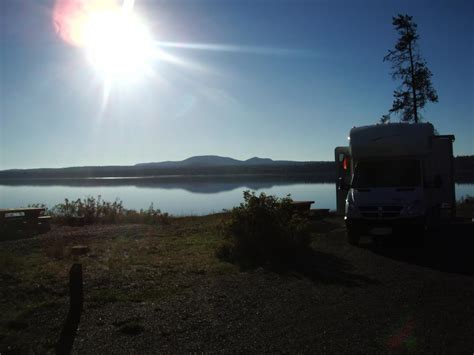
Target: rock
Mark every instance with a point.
(79, 250)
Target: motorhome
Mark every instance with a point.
(395, 176)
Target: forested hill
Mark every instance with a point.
(201, 165)
(211, 165)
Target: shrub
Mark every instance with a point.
(95, 210)
(264, 230)
(465, 207)
(148, 216)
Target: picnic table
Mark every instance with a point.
(301, 206)
(24, 219)
(304, 207)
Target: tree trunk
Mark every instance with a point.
(412, 72)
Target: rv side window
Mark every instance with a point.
(387, 173)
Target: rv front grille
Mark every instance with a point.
(380, 211)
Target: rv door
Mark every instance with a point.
(343, 177)
(439, 175)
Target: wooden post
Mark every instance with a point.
(76, 299)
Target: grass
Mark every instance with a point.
(135, 263)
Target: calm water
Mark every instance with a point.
(176, 197)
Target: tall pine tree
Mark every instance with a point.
(408, 65)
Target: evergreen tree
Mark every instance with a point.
(408, 65)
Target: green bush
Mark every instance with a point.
(465, 207)
(95, 210)
(264, 230)
(148, 216)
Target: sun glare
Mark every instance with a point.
(117, 44)
(116, 41)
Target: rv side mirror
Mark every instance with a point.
(437, 181)
(341, 184)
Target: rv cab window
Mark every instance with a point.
(387, 173)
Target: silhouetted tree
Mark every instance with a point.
(385, 119)
(408, 65)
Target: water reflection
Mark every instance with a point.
(194, 184)
(176, 195)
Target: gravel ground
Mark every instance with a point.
(364, 302)
(370, 299)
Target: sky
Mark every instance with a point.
(276, 79)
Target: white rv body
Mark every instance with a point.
(395, 175)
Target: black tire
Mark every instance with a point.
(377, 240)
(353, 236)
(418, 239)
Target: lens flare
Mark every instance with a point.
(69, 17)
(115, 40)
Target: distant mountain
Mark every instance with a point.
(202, 160)
(216, 161)
(260, 161)
(198, 165)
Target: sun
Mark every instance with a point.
(116, 41)
(117, 44)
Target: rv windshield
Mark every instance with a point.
(387, 173)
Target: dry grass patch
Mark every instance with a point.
(125, 263)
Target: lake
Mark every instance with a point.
(182, 196)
